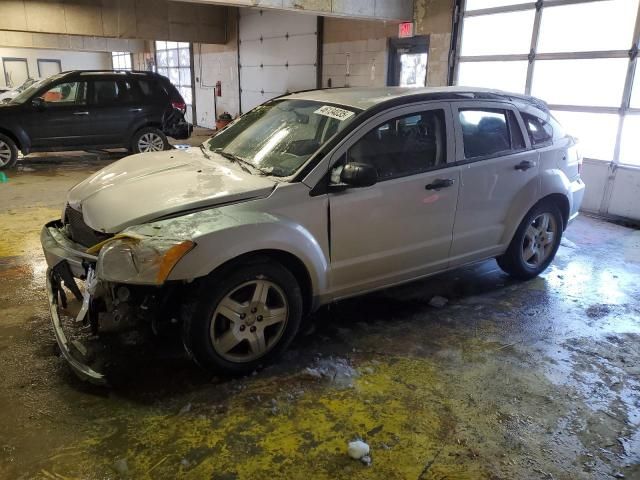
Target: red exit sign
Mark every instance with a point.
(405, 30)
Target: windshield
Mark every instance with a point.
(26, 94)
(279, 137)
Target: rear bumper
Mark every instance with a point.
(577, 194)
(179, 131)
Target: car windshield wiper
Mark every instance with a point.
(240, 161)
(204, 151)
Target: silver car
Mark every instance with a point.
(310, 198)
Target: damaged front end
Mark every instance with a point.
(122, 288)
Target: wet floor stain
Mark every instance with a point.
(539, 379)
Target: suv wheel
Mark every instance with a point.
(8, 152)
(149, 139)
(535, 243)
(243, 318)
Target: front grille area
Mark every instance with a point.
(79, 231)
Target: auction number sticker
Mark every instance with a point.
(334, 112)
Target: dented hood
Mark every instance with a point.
(144, 187)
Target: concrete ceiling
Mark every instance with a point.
(391, 10)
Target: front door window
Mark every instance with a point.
(70, 93)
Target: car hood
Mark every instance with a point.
(149, 186)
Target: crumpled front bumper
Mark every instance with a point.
(66, 261)
(84, 371)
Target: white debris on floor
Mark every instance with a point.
(359, 450)
(336, 370)
(438, 302)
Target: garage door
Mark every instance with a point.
(278, 54)
(583, 66)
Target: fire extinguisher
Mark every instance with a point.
(218, 88)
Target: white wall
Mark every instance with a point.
(70, 60)
(210, 64)
(611, 191)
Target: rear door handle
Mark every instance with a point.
(524, 165)
(81, 113)
(135, 109)
(439, 183)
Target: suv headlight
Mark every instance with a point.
(140, 261)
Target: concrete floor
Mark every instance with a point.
(509, 380)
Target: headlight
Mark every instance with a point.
(144, 261)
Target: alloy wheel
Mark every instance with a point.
(150, 142)
(538, 241)
(249, 321)
(5, 154)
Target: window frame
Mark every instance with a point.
(115, 55)
(461, 159)
(623, 110)
(340, 151)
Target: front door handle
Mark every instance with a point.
(135, 109)
(439, 183)
(81, 113)
(524, 165)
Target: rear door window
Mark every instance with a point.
(115, 92)
(489, 132)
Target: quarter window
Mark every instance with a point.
(489, 132)
(539, 131)
(403, 146)
(70, 93)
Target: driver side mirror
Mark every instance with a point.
(38, 103)
(358, 175)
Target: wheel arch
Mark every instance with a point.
(144, 124)
(562, 202)
(287, 259)
(20, 143)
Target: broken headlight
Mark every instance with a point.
(140, 261)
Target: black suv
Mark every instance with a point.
(82, 110)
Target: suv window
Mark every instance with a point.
(69, 93)
(109, 92)
(149, 88)
(539, 131)
(489, 131)
(403, 146)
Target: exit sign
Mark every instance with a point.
(405, 30)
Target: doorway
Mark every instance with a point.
(16, 71)
(408, 61)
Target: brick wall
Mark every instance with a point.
(355, 52)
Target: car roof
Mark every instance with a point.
(365, 98)
(137, 73)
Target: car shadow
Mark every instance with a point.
(152, 368)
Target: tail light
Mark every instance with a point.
(179, 106)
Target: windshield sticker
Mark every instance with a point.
(334, 112)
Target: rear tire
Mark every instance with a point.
(535, 242)
(243, 317)
(8, 152)
(149, 139)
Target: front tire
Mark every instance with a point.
(243, 318)
(149, 139)
(535, 243)
(8, 152)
